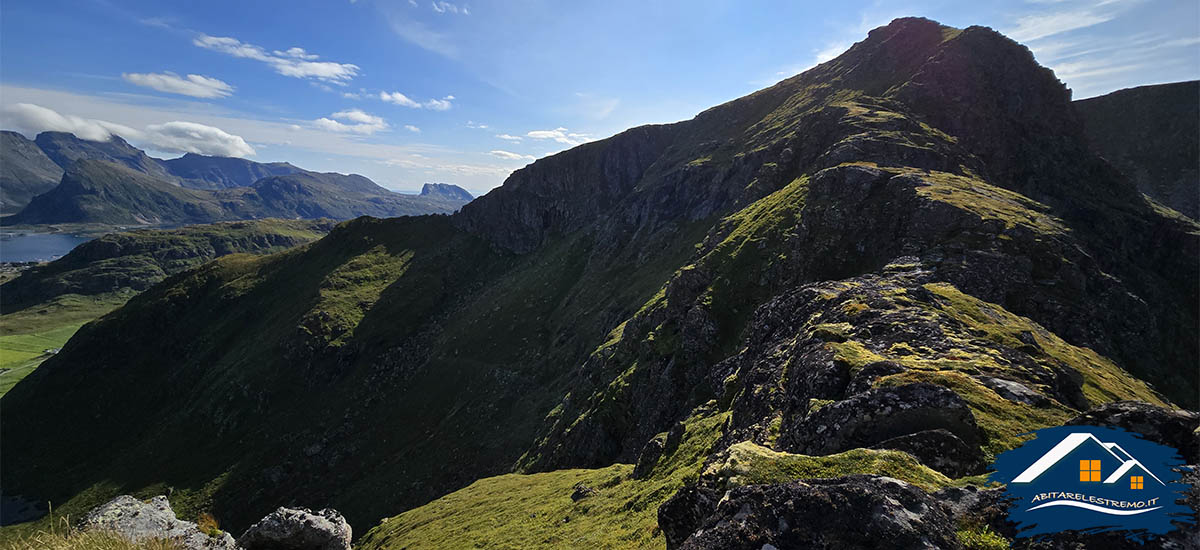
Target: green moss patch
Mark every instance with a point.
(747, 463)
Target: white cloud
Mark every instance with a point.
(509, 137)
(192, 137)
(405, 101)
(1036, 26)
(193, 85)
(352, 121)
(447, 7)
(560, 135)
(297, 53)
(476, 125)
(172, 137)
(294, 62)
(510, 156)
(33, 119)
(412, 128)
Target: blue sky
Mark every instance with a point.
(407, 92)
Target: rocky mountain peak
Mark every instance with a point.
(445, 190)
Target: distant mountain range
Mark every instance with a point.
(60, 178)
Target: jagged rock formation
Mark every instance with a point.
(140, 520)
(298, 529)
(446, 191)
(911, 243)
(848, 512)
(1151, 134)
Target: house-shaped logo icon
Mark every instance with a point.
(1092, 478)
(1095, 458)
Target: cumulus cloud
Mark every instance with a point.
(405, 101)
(192, 137)
(560, 135)
(171, 137)
(293, 62)
(412, 128)
(509, 137)
(193, 85)
(353, 121)
(510, 155)
(476, 125)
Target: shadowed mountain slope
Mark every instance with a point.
(1151, 134)
(207, 172)
(25, 172)
(902, 224)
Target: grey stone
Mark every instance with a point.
(140, 520)
(298, 529)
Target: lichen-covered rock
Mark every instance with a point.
(140, 520)
(844, 513)
(882, 414)
(1173, 428)
(298, 529)
(941, 450)
(682, 514)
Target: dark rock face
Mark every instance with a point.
(941, 450)
(298, 529)
(879, 415)
(685, 512)
(137, 521)
(1173, 428)
(849, 512)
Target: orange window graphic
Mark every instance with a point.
(1089, 470)
(1135, 482)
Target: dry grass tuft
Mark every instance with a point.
(65, 537)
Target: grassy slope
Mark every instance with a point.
(25, 335)
(46, 305)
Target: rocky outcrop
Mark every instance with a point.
(1178, 429)
(879, 415)
(298, 529)
(140, 520)
(941, 450)
(845, 513)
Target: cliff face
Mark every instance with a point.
(1152, 135)
(918, 221)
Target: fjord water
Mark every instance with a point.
(28, 247)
